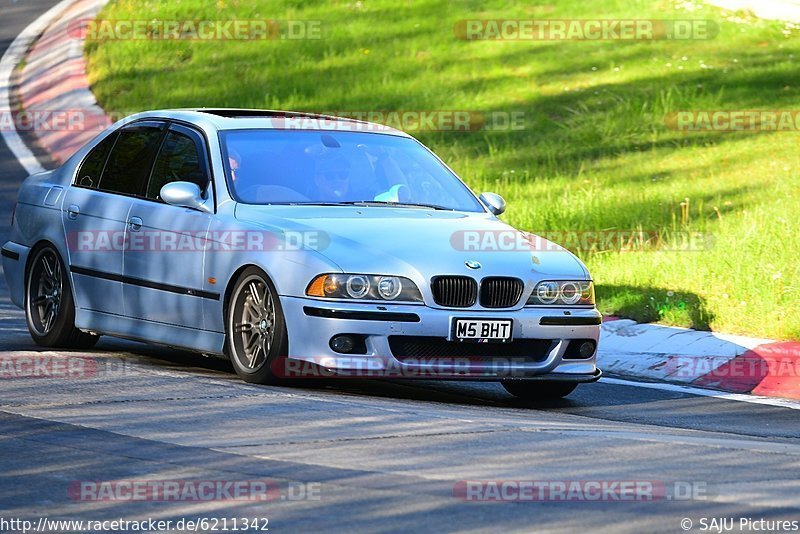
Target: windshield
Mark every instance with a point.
(327, 167)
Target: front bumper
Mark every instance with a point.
(311, 324)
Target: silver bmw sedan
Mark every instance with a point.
(296, 245)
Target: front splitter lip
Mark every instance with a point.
(564, 377)
(303, 369)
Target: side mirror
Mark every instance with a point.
(185, 195)
(494, 202)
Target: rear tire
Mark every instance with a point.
(538, 390)
(256, 340)
(49, 304)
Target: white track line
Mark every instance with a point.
(752, 399)
(14, 54)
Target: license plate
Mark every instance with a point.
(482, 330)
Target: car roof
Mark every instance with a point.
(244, 119)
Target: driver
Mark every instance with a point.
(234, 161)
(332, 178)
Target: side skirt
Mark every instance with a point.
(150, 332)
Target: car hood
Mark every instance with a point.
(417, 243)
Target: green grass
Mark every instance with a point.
(594, 154)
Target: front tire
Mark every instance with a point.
(49, 304)
(536, 390)
(256, 337)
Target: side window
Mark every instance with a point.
(92, 167)
(180, 160)
(130, 161)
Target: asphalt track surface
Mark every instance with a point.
(366, 455)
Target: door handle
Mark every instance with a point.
(73, 211)
(135, 224)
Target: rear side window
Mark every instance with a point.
(180, 160)
(92, 167)
(131, 159)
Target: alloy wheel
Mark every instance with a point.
(46, 290)
(253, 323)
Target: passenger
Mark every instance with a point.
(332, 179)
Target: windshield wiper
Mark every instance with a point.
(397, 204)
(311, 204)
(367, 203)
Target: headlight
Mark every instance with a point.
(389, 287)
(357, 287)
(364, 287)
(563, 293)
(546, 293)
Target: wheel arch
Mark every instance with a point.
(39, 245)
(64, 333)
(231, 284)
(228, 296)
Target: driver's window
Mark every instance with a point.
(92, 167)
(180, 160)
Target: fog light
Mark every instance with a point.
(580, 349)
(342, 344)
(586, 349)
